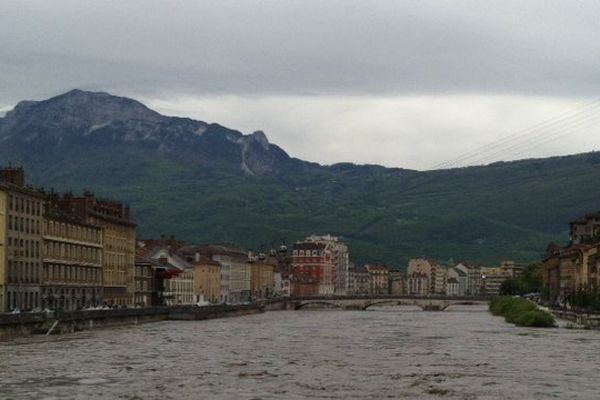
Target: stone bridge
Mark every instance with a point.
(426, 303)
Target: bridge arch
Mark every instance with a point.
(391, 302)
(465, 303)
(323, 304)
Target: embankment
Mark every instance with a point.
(24, 324)
(590, 321)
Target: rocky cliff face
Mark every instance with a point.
(79, 118)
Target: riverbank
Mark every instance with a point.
(25, 324)
(577, 319)
(521, 312)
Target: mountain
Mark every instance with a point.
(206, 183)
(79, 119)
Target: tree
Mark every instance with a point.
(529, 281)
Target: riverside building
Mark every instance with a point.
(72, 260)
(144, 281)
(313, 269)
(118, 239)
(235, 272)
(21, 219)
(378, 279)
(207, 279)
(261, 277)
(341, 260)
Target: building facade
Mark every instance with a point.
(473, 278)
(21, 224)
(359, 281)
(207, 279)
(457, 282)
(262, 281)
(379, 279)
(119, 243)
(420, 276)
(341, 260)
(397, 283)
(179, 288)
(570, 268)
(235, 273)
(418, 283)
(72, 260)
(313, 269)
(143, 282)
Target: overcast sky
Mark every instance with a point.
(400, 83)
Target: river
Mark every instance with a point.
(388, 352)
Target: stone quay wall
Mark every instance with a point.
(591, 321)
(24, 324)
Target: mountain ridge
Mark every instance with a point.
(207, 183)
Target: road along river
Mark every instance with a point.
(387, 352)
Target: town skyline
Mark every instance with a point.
(69, 252)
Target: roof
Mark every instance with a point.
(204, 260)
(359, 270)
(585, 218)
(459, 271)
(161, 257)
(140, 258)
(309, 246)
(56, 214)
(27, 190)
(376, 267)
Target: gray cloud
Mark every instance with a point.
(279, 47)
(310, 50)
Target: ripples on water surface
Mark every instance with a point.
(382, 353)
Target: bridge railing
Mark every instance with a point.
(384, 296)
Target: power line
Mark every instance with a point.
(541, 138)
(562, 118)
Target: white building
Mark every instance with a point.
(473, 278)
(235, 273)
(457, 278)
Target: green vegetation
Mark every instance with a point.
(530, 281)
(586, 299)
(520, 312)
(475, 214)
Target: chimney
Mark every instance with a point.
(197, 257)
(14, 175)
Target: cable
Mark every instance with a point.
(532, 142)
(562, 118)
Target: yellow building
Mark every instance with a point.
(261, 279)
(72, 264)
(568, 269)
(21, 217)
(118, 259)
(418, 276)
(207, 279)
(3, 217)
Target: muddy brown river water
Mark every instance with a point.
(388, 352)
